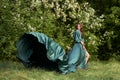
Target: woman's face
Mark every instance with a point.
(79, 27)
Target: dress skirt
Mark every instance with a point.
(76, 57)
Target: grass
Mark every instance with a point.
(97, 71)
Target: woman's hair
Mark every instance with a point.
(81, 30)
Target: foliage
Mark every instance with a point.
(57, 19)
(109, 34)
(68, 13)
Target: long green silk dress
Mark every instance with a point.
(38, 48)
(76, 57)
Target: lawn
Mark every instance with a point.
(97, 71)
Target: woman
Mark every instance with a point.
(78, 56)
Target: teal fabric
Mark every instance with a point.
(54, 50)
(66, 62)
(24, 51)
(77, 36)
(76, 57)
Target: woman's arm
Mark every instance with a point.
(83, 45)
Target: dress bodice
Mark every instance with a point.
(77, 36)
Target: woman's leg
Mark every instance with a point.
(87, 57)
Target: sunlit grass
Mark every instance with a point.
(96, 71)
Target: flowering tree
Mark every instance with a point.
(56, 18)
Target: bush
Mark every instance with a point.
(54, 18)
